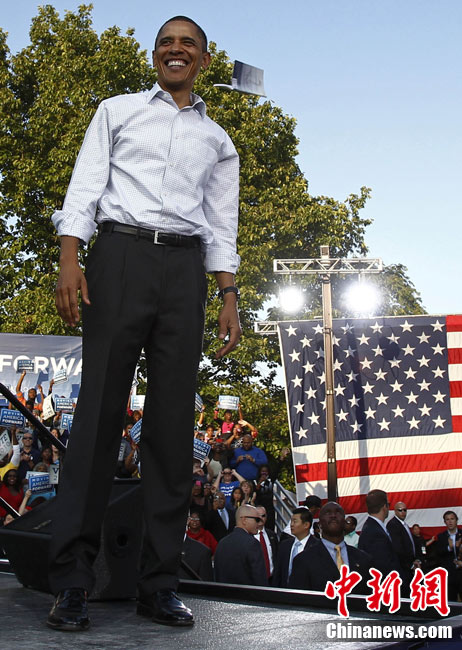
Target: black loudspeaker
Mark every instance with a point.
(26, 541)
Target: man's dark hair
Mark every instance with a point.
(185, 19)
(375, 500)
(305, 515)
(313, 501)
(450, 512)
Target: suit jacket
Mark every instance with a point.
(214, 523)
(199, 558)
(273, 538)
(313, 570)
(402, 545)
(239, 560)
(445, 556)
(281, 567)
(374, 541)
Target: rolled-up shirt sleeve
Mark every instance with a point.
(221, 209)
(89, 179)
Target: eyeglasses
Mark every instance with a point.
(27, 438)
(257, 519)
(194, 519)
(401, 509)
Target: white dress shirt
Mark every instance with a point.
(145, 162)
(268, 548)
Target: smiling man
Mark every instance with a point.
(159, 181)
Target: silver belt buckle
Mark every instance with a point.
(156, 241)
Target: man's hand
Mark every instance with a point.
(228, 322)
(71, 280)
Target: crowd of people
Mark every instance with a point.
(231, 535)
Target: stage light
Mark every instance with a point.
(291, 299)
(362, 298)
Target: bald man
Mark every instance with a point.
(403, 544)
(239, 557)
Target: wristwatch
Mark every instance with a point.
(232, 289)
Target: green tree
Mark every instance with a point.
(48, 94)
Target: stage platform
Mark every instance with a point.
(220, 624)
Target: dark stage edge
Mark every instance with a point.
(219, 625)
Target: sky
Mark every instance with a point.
(376, 89)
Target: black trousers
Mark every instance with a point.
(142, 296)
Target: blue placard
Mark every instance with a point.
(25, 364)
(39, 482)
(201, 449)
(135, 432)
(66, 421)
(199, 403)
(228, 402)
(60, 377)
(10, 418)
(64, 404)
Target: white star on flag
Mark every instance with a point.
(295, 356)
(299, 406)
(310, 393)
(356, 426)
(382, 399)
(424, 410)
(438, 372)
(423, 384)
(314, 419)
(318, 329)
(297, 381)
(438, 349)
(423, 361)
(301, 433)
(410, 373)
(370, 412)
(437, 327)
(384, 425)
(411, 398)
(413, 423)
(291, 330)
(342, 415)
(398, 411)
(439, 397)
(396, 386)
(306, 342)
(408, 350)
(439, 422)
(406, 327)
(376, 328)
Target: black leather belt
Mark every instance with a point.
(154, 236)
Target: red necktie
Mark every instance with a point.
(265, 554)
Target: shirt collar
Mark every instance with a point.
(196, 102)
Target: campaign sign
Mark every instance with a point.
(135, 432)
(137, 402)
(228, 402)
(5, 444)
(39, 482)
(199, 402)
(201, 450)
(25, 364)
(48, 410)
(60, 377)
(10, 418)
(54, 474)
(64, 404)
(66, 421)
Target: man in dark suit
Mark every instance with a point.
(268, 540)
(321, 563)
(403, 544)
(220, 520)
(374, 538)
(299, 542)
(448, 551)
(197, 557)
(239, 558)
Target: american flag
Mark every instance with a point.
(398, 405)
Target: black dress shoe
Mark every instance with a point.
(69, 611)
(164, 607)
